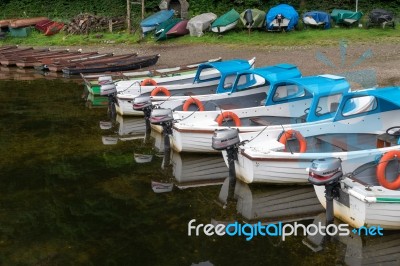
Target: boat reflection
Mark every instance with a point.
(270, 203)
(195, 170)
(124, 129)
(355, 249)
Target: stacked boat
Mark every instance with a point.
(72, 62)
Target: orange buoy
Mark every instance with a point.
(286, 135)
(381, 170)
(148, 82)
(231, 115)
(163, 90)
(191, 101)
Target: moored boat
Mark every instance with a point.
(131, 63)
(207, 80)
(367, 196)
(355, 134)
(288, 101)
(160, 76)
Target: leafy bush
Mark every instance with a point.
(68, 9)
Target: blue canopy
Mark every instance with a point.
(287, 11)
(320, 16)
(384, 99)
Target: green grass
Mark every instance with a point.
(238, 37)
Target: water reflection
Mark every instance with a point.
(355, 249)
(194, 170)
(67, 199)
(272, 203)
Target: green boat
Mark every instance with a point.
(225, 22)
(346, 17)
(253, 18)
(163, 28)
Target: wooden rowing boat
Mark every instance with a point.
(120, 65)
(20, 23)
(62, 63)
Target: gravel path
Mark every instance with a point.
(384, 61)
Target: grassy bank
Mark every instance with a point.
(238, 37)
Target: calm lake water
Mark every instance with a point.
(72, 193)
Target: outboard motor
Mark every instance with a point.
(227, 139)
(109, 90)
(103, 80)
(143, 103)
(248, 17)
(327, 172)
(279, 18)
(164, 118)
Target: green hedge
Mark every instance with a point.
(62, 9)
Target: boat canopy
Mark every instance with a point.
(319, 17)
(225, 68)
(325, 91)
(287, 11)
(270, 74)
(366, 102)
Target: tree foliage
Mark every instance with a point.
(68, 9)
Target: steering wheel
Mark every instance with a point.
(319, 109)
(393, 131)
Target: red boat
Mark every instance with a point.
(179, 29)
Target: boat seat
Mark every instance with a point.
(385, 140)
(259, 121)
(337, 142)
(189, 93)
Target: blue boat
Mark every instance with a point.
(282, 18)
(317, 19)
(150, 23)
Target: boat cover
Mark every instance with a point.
(226, 19)
(380, 16)
(199, 23)
(157, 18)
(163, 28)
(340, 16)
(287, 11)
(253, 18)
(319, 17)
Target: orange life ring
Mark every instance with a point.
(228, 114)
(191, 101)
(160, 89)
(148, 82)
(381, 170)
(296, 134)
